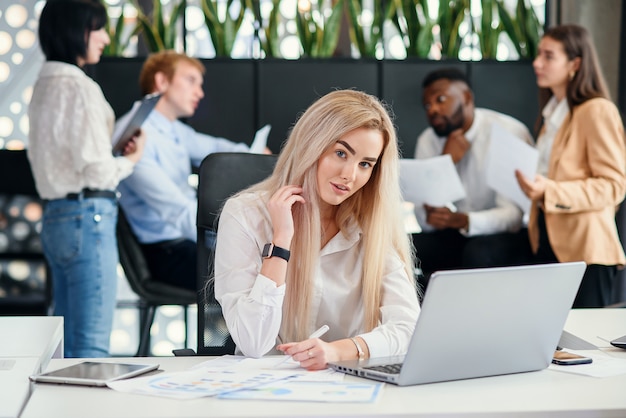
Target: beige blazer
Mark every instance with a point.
(586, 183)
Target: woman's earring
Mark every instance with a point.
(571, 75)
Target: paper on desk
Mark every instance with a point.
(431, 180)
(278, 363)
(603, 365)
(223, 375)
(260, 140)
(198, 383)
(288, 390)
(506, 154)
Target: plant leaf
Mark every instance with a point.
(330, 33)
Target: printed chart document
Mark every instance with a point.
(433, 181)
(260, 140)
(198, 383)
(223, 375)
(506, 154)
(288, 390)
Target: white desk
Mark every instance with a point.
(32, 336)
(541, 393)
(591, 324)
(26, 346)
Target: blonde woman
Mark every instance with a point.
(321, 242)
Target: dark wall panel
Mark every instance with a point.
(287, 88)
(227, 109)
(508, 87)
(402, 90)
(243, 95)
(119, 80)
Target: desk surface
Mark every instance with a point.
(14, 384)
(542, 393)
(26, 346)
(32, 336)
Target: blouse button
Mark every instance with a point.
(97, 218)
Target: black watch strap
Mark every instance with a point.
(270, 250)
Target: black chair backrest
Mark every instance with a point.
(138, 274)
(131, 256)
(16, 174)
(221, 175)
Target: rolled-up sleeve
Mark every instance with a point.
(251, 303)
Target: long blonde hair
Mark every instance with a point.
(376, 207)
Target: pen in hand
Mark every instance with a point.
(317, 334)
(321, 331)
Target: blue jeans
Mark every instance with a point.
(78, 239)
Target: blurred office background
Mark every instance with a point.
(20, 60)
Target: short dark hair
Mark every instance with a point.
(64, 27)
(451, 74)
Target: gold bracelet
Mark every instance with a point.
(360, 351)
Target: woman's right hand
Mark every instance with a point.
(134, 148)
(534, 189)
(279, 207)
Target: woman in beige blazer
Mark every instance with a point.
(582, 165)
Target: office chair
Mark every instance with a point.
(20, 239)
(220, 176)
(151, 294)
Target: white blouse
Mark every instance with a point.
(554, 114)
(252, 303)
(70, 134)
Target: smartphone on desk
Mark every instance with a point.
(564, 358)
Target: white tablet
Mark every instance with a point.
(93, 373)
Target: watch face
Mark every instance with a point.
(266, 250)
(270, 250)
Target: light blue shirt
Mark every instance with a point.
(158, 201)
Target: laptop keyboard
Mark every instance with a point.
(387, 368)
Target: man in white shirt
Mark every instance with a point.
(157, 199)
(482, 230)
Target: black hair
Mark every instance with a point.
(64, 28)
(451, 74)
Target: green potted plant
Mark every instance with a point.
(160, 30)
(318, 34)
(412, 20)
(367, 40)
(523, 28)
(451, 14)
(267, 28)
(119, 43)
(223, 27)
(489, 29)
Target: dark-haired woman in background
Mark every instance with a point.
(582, 161)
(76, 174)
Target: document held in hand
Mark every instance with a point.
(260, 140)
(136, 118)
(433, 181)
(506, 154)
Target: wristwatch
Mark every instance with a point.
(271, 250)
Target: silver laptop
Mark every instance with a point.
(482, 322)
